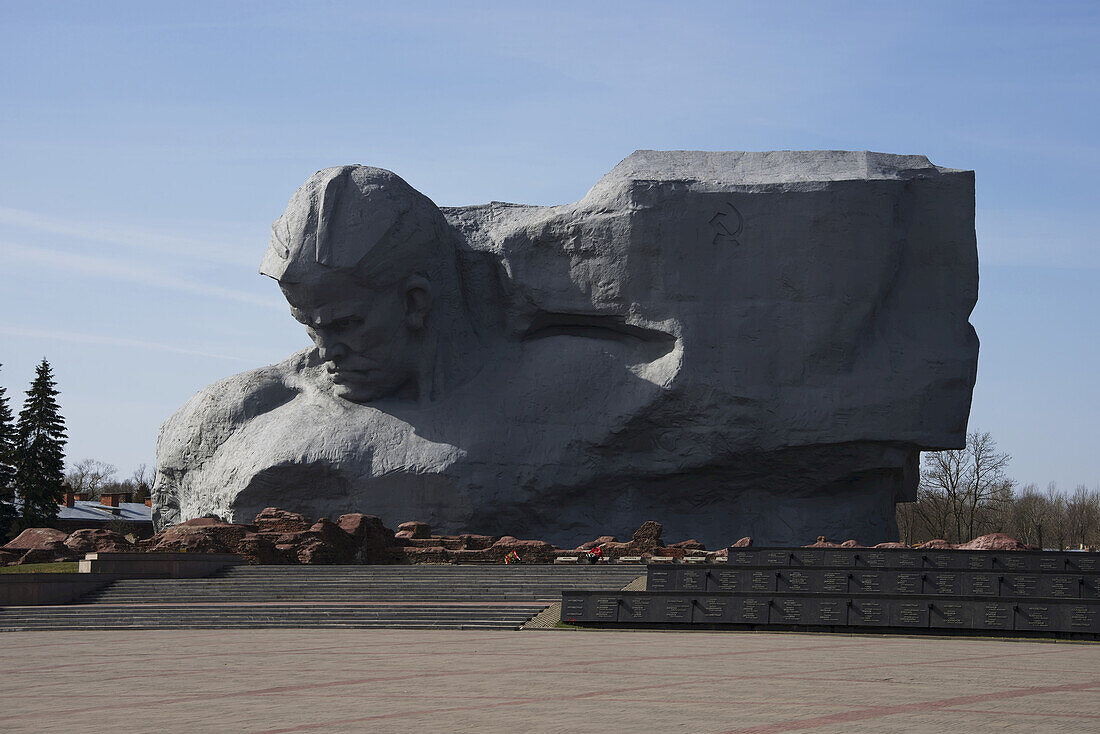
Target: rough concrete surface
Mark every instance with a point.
(731, 343)
(283, 681)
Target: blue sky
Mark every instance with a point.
(145, 149)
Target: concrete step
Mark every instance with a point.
(298, 599)
(334, 584)
(412, 572)
(130, 587)
(311, 611)
(303, 595)
(438, 597)
(384, 584)
(553, 589)
(352, 591)
(386, 589)
(387, 584)
(245, 616)
(391, 578)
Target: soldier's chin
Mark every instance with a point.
(354, 392)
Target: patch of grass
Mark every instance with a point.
(56, 567)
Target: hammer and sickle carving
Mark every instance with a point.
(727, 225)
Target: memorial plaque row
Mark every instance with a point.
(955, 560)
(934, 613)
(868, 581)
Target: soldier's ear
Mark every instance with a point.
(418, 302)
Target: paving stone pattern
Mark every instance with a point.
(336, 681)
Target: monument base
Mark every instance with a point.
(786, 497)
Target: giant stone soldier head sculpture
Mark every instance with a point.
(367, 264)
(730, 343)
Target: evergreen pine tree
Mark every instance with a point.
(7, 467)
(39, 451)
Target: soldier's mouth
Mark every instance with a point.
(341, 375)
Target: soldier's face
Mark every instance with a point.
(370, 348)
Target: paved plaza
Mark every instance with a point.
(268, 681)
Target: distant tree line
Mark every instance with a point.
(965, 493)
(96, 478)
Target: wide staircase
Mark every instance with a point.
(438, 597)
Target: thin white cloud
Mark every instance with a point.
(112, 341)
(129, 237)
(126, 271)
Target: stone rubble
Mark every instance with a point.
(281, 537)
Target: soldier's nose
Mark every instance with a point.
(334, 352)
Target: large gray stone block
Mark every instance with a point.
(731, 343)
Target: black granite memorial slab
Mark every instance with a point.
(1015, 562)
(814, 581)
(604, 608)
(834, 582)
(906, 559)
(776, 557)
(864, 612)
(1020, 585)
(838, 558)
(742, 557)
(943, 583)
(1038, 616)
(904, 613)
(868, 558)
(726, 579)
(953, 560)
(828, 612)
(636, 608)
(761, 581)
(1059, 586)
(831, 587)
(691, 579)
(971, 561)
(951, 614)
(1051, 562)
(866, 582)
(902, 582)
(788, 610)
(991, 615)
(981, 584)
(671, 609)
(751, 610)
(713, 610)
(1055, 615)
(936, 559)
(1082, 618)
(946, 559)
(1034, 562)
(1083, 562)
(574, 608)
(793, 580)
(660, 578)
(808, 557)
